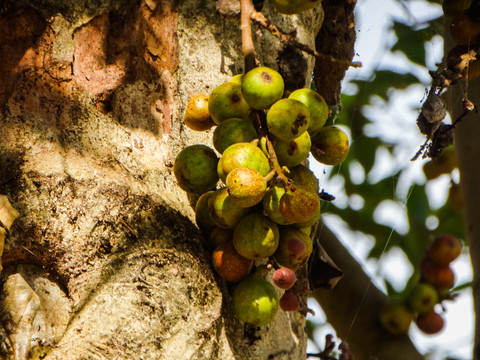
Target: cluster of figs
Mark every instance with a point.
(436, 280)
(266, 202)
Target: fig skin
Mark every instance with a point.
(294, 152)
(232, 131)
(246, 186)
(316, 105)
(294, 248)
(197, 117)
(396, 318)
(229, 264)
(242, 155)
(303, 176)
(444, 249)
(255, 301)
(299, 204)
(202, 214)
(195, 169)
(290, 7)
(422, 298)
(271, 204)
(219, 236)
(284, 278)
(226, 101)
(223, 211)
(256, 237)
(441, 277)
(261, 87)
(330, 145)
(430, 323)
(288, 119)
(289, 302)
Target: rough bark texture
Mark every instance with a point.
(91, 98)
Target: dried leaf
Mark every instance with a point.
(322, 271)
(7, 213)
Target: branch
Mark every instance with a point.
(248, 49)
(352, 307)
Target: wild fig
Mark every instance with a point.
(226, 101)
(329, 145)
(294, 248)
(284, 278)
(195, 169)
(444, 249)
(242, 155)
(288, 119)
(430, 323)
(197, 117)
(202, 215)
(441, 277)
(303, 176)
(261, 87)
(293, 152)
(256, 237)
(219, 235)
(271, 204)
(316, 105)
(246, 186)
(232, 131)
(396, 318)
(223, 211)
(299, 204)
(229, 264)
(289, 302)
(422, 298)
(255, 301)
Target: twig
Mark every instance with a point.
(247, 41)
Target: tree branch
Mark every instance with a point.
(248, 49)
(353, 305)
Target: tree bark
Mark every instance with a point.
(91, 99)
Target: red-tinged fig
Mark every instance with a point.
(299, 204)
(441, 277)
(288, 119)
(223, 211)
(444, 249)
(316, 105)
(396, 318)
(232, 131)
(226, 101)
(255, 301)
(430, 323)
(293, 152)
(294, 248)
(256, 237)
(309, 222)
(229, 264)
(195, 169)
(289, 302)
(422, 298)
(284, 278)
(246, 186)
(261, 87)
(242, 155)
(330, 145)
(197, 117)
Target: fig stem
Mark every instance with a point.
(248, 49)
(272, 156)
(270, 176)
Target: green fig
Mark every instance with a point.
(232, 131)
(255, 301)
(299, 204)
(291, 7)
(256, 237)
(223, 211)
(329, 145)
(195, 169)
(422, 298)
(293, 152)
(240, 155)
(261, 87)
(288, 119)
(226, 101)
(236, 79)
(202, 215)
(316, 105)
(246, 186)
(303, 176)
(271, 204)
(396, 318)
(294, 248)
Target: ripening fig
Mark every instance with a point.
(229, 264)
(289, 302)
(303, 176)
(330, 145)
(290, 7)
(236, 79)
(242, 155)
(422, 298)
(293, 152)
(195, 169)
(309, 222)
(299, 204)
(284, 278)
(430, 323)
(202, 215)
(316, 105)
(232, 131)
(444, 249)
(226, 101)
(246, 186)
(219, 235)
(288, 119)
(294, 248)
(261, 87)
(396, 318)
(256, 237)
(197, 117)
(271, 204)
(255, 301)
(223, 211)
(441, 277)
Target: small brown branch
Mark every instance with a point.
(247, 41)
(289, 39)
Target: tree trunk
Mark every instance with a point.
(104, 261)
